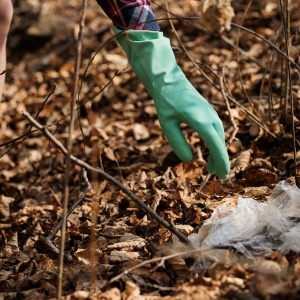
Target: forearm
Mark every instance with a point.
(6, 11)
(130, 14)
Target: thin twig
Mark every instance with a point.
(288, 92)
(269, 71)
(235, 127)
(69, 149)
(285, 20)
(297, 66)
(247, 112)
(205, 182)
(183, 47)
(49, 239)
(238, 61)
(105, 175)
(185, 253)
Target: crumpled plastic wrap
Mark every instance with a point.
(254, 228)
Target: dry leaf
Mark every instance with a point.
(215, 15)
(129, 242)
(191, 170)
(112, 294)
(117, 129)
(140, 132)
(85, 255)
(5, 161)
(11, 247)
(242, 161)
(194, 292)
(121, 256)
(131, 290)
(4, 207)
(194, 215)
(185, 229)
(214, 188)
(235, 147)
(261, 172)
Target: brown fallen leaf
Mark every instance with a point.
(190, 170)
(5, 207)
(241, 162)
(214, 188)
(5, 161)
(271, 282)
(112, 294)
(131, 290)
(122, 256)
(215, 15)
(11, 247)
(195, 292)
(185, 229)
(128, 242)
(194, 215)
(260, 172)
(140, 132)
(235, 147)
(85, 255)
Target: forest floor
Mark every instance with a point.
(242, 74)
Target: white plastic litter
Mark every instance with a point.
(254, 228)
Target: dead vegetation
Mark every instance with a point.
(116, 250)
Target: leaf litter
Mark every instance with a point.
(118, 116)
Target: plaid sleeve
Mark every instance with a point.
(132, 14)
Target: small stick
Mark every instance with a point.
(204, 182)
(201, 250)
(235, 128)
(48, 240)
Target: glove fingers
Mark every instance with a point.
(211, 166)
(218, 126)
(177, 141)
(218, 160)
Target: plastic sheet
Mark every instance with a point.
(254, 228)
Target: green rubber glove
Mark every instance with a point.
(176, 100)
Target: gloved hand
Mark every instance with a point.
(176, 100)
